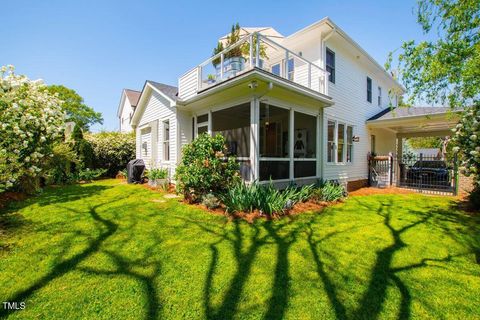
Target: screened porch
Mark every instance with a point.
(271, 141)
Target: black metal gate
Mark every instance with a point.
(423, 173)
(428, 173)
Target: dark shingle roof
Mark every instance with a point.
(169, 91)
(133, 96)
(404, 112)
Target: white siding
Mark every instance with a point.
(127, 110)
(158, 110)
(187, 84)
(351, 107)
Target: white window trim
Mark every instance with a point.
(164, 141)
(335, 161)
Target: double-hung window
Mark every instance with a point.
(166, 140)
(379, 96)
(369, 90)
(330, 65)
(290, 69)
(339, 142)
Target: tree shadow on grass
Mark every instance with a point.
(382, 272)
(67, 265)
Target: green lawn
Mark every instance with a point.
(113, 251)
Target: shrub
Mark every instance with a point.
(157, 173)
(60, 165)
(210, 201)
(31, 121)
(112, 150)
(88, 174)
(330, 191)
(244, 197)
(204, 169)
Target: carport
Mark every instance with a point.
(391, 127)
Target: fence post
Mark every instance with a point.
(390, 169)
(455, 174)
(420, 181)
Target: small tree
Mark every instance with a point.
(204, 168)
(75, 108)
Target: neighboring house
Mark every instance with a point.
(429, 153)
(126, 109)
(296, 113)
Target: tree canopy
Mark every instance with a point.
(75, 108)
(447, 69)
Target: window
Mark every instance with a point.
(349, 143)
(369, 89)
(276, 69)
(202, 124)
(379, 96)
(330, 65)
(290, 69)
(340, 142)
(166, 140)
(331, 141)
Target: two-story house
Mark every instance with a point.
(292, 108)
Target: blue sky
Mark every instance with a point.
(100, 47)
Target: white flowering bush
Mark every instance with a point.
(467, 144)
(31, 119)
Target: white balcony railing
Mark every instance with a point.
(254, 51)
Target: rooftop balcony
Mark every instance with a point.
(253, 51)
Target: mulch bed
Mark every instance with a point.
(6, 197)
(368, 191)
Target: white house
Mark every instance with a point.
(126, 109)
(292, 108)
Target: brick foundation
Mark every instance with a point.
(465, 184)
(357, 184)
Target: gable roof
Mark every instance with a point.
(132, 96)
(405, 112)
(326, 21)
(169, 91)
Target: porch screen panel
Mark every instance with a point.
(234, 124)
(305, 145)
(274, 127)
(274, 143)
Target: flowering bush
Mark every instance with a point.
(204, 168)
(467, 144)
(31, 120)
(112, 150)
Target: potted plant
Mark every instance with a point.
(211, 79)
(157, 177)
(233, 59)
(262, 52)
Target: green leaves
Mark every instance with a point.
(205, 168)
(74, 107)
(446, 70)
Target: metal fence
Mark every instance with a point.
(431, 174)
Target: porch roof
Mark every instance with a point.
(421, 120)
